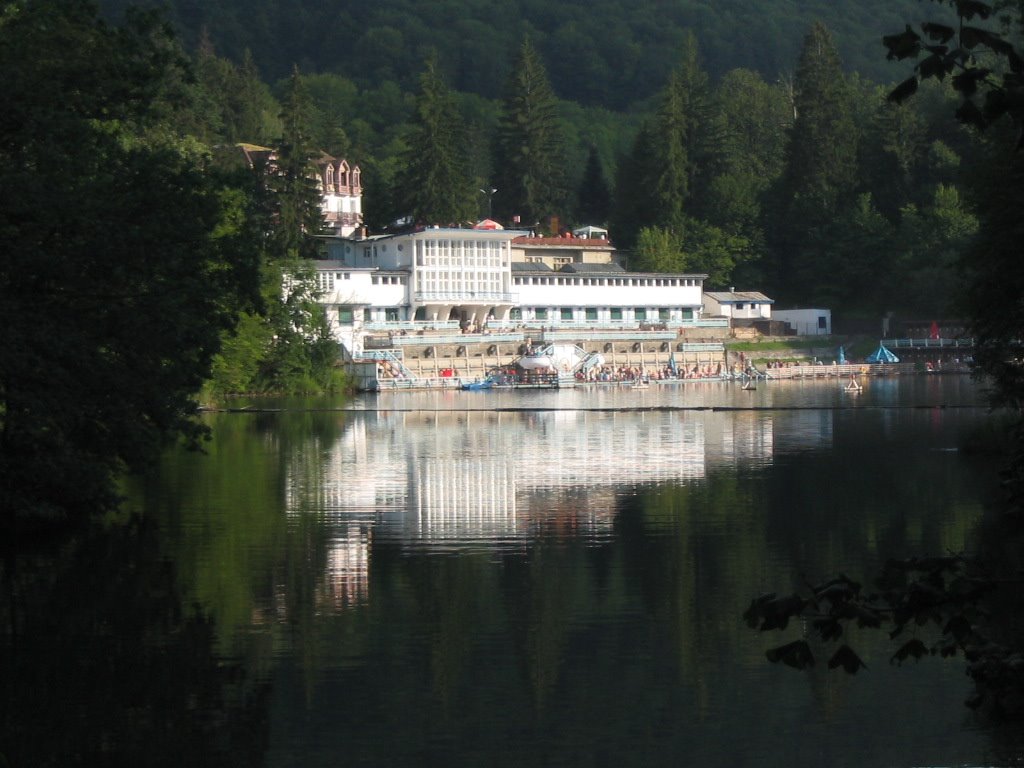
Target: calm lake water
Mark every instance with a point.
(505, 578)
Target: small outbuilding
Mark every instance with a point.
(807, 322)
(738, 305)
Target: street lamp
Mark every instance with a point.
(490, 198)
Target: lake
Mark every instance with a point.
(520, 578)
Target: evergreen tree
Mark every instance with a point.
(529, 154)
(746, 149)
(594, 198)
(255, 114)
(296, 193)
(681, 116)
(434, 186)
(821, 163)
(286, 347)
(633, 208)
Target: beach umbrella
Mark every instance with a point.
(881, 355)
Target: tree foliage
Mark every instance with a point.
(594, 202)
(435, 183)
(529, 161)
(950, 605)
(821, 161)
(123, 259)
(383, 40)
(987, 72)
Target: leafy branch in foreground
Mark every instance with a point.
(932, 604)
(981, 64)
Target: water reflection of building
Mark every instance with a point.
(440, 479)
(347, 576)
(430, 478)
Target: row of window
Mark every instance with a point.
(671, 282)
(325, 280)
(343, 176)
(346, 315)
(591, 313)
(387, 280)
(458, 247)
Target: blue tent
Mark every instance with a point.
(881, 355)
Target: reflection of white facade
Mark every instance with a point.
(478, 477)
(347, 577)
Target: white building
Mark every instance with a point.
(807, 322)
(605, 295)
(738, 305)
(341, 187)
(470, 279)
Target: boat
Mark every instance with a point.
(479, 384)
(853, 386)
(541, 362)
(749, 384)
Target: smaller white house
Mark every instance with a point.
(738, 305)
(807, 322)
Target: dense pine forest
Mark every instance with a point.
(610, 54)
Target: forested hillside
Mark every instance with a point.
(609, 53)
(750, 142)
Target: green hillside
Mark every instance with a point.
(609, 53)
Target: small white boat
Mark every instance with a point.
(536, 362)
(854, 386)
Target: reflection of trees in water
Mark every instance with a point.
(102, 664)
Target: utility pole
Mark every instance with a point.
(490, 199)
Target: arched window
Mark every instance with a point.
(329, 177)
(343, 175)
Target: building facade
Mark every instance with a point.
(470, 280)
(339, 183)
(738, 305)
(341, 189)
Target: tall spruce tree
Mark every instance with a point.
(654, 183)
(633, 209)
(529, 155)
(296, 196)
(434, 186)
(821, 164)
(681, 116)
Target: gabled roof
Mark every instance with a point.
(739, 297)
